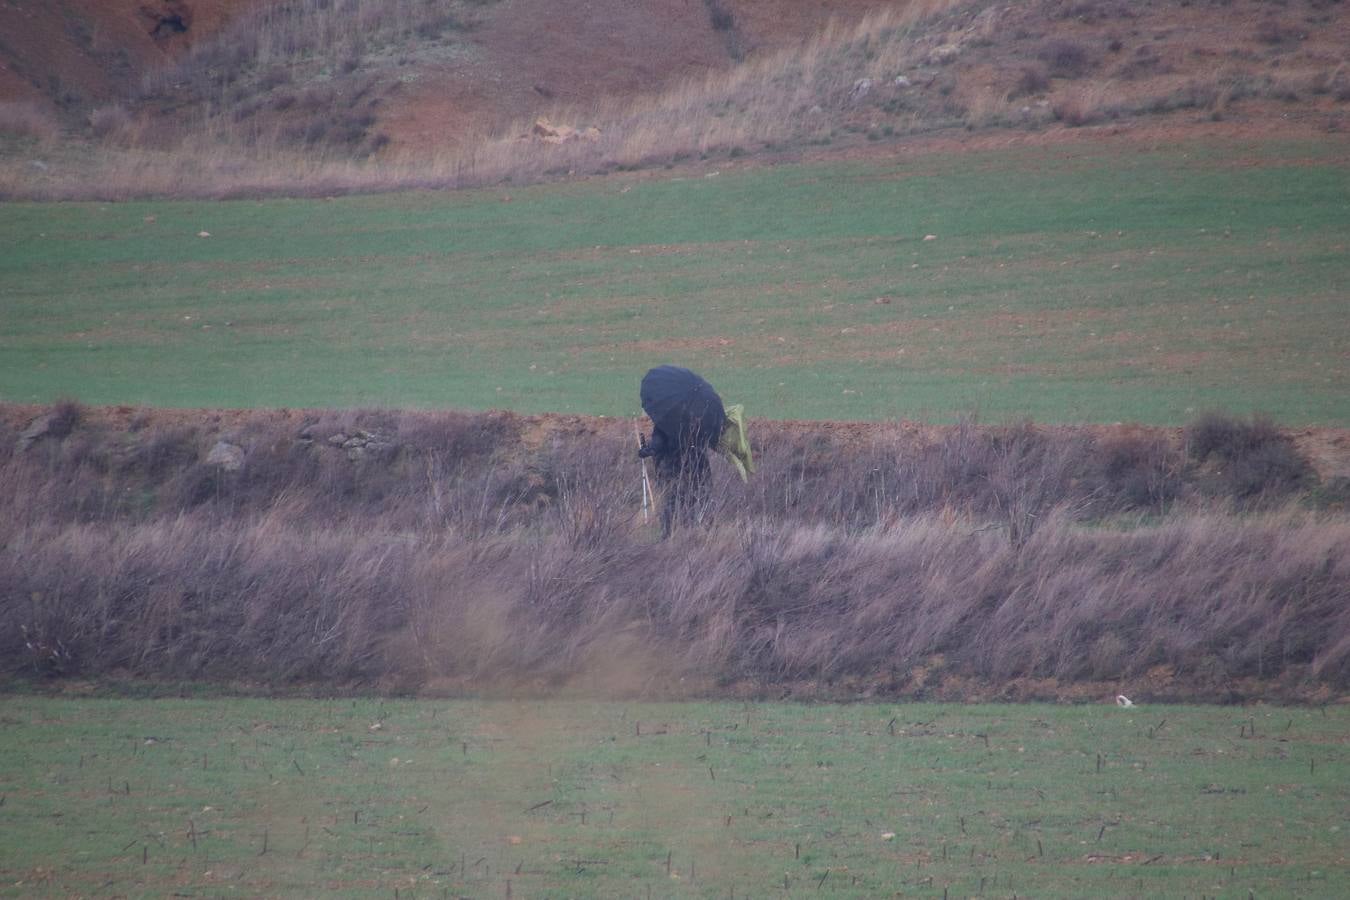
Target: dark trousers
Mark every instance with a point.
(684, 479)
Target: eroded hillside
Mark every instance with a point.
(247, 97)
(503, 59)
(72, 53)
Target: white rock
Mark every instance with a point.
(226, 455)
(944, 54)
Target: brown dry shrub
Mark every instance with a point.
(1137, 471)
(1252, 462)
(719, 16)
(110, 123)
(1079, 108)
(1065, 58)
(1031, 79)
(63, 417)
(29, 120)
(1273, 31)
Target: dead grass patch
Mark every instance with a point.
(402, 549)
(28, 120)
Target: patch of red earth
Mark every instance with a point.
(98, 50)
(531, 56)
(1136, 135)
(1328, 449)
(535, 58)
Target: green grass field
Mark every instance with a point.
(230, 797)
(1079, 283)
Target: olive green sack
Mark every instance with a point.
(734, 443)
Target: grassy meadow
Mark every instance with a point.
(232, 797)
(1084, 283)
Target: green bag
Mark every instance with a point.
(734, 443)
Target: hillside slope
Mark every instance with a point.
(531, 56)
(71, 56)
(286, 96)
(73, 53)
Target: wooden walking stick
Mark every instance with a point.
(646, 485)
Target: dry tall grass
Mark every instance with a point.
(276, 36)
(776, 98)
(20, 119)
(440, 549)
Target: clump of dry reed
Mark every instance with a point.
(453, 550)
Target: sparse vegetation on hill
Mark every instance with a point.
(308, 74)
(294, 94)
(402, 549)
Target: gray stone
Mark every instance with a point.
(941, 56)
(861, 88)
(229, 457)
(338, 439)
(36, 431)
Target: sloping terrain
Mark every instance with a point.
(74, 53)
(532, 56)
(520, 56)
(405, 80)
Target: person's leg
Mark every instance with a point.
(697, 478)
(668, 508)
(689, 488)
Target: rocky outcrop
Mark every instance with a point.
(36, 431)
(547, 132)
(363, 444)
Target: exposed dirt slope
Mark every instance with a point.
(532, 54)
(77, 52)
(528, 55)
(1021, 66)
(535, 55)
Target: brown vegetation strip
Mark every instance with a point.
(485, 551)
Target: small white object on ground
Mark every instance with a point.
(1122, 700)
